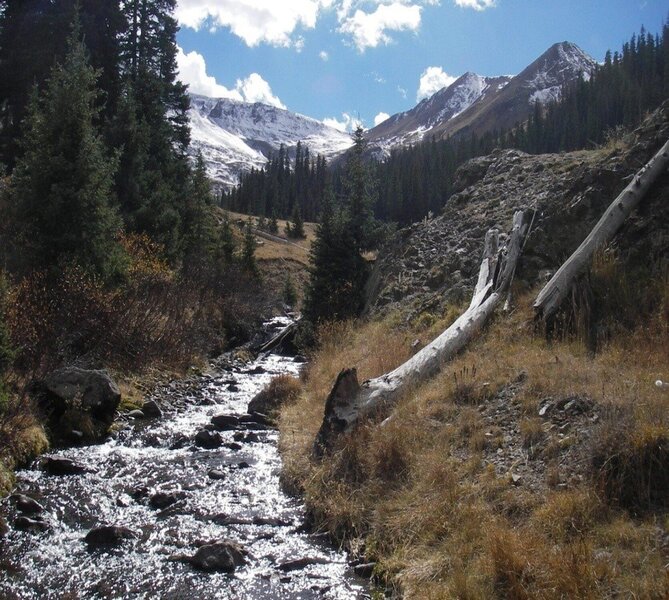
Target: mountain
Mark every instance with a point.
(236, 136)
(448, 103)
(476, 104)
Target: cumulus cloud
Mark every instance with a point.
(369, 30)
(380, 118)
(254, 21)
(255, 89)
(431, 81)
(476, 4)
(347, 123)
(324, 56)
(193, 71)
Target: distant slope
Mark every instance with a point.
(476, 104)
(236, 136)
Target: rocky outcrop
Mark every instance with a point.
(80, 404)
(434, 263)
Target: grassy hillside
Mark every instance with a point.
(526, 469)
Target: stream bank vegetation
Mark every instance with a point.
(528, 468)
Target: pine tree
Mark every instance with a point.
(248, 258)
(226, 242)
(62, 185)
(337, 272)
(296, 229)
(198, 226)
(360, 194)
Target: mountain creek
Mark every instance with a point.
(176, 506)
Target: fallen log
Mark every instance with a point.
(349, 401)
(281, 337)
(556, 290)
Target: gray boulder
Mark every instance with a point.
(108, 535)
(223, 556)
(81, 400)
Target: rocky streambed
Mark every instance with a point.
(183, 505)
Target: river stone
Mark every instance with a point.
(223, 556)
(34, 525)
(162, 500)
(217, 474)
(26, 505)
(151, 409)
(4, 530)
(301, 563)
(55, 465)
(225, 422)
(79, 399)
(136, 414)
(208, 439)
(108, 535)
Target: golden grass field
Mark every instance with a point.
(431, 495)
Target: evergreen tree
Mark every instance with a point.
(198, 225)
(337, 272)
(62, 185)
(273, 226)
(296, 229)
(360, 192)
(288, 292)
(226, 242)
(248, 258)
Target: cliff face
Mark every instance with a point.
(435, 262)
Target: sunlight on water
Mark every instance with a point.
(137, 463)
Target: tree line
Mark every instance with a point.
(416, 180)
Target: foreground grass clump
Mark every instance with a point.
(526, 469)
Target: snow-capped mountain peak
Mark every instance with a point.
(235, 136)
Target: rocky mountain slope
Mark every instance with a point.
(475, 104)
(435, 262)
(236, 136)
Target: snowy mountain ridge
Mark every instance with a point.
(235, 136)
(476, 104)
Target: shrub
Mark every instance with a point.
(629, 462)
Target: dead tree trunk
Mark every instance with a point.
(349, 401)
(556, 290)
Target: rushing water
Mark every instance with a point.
(144, 458)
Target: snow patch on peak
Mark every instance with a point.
(235, 136)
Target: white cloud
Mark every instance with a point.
(347, 123)
(255, 89)
(431, 81)
(380, 118)
(369, 30)
(254, 21)
(324, 56)
(193, 71)
(476, 4)
(401, 91)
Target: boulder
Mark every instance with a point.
(209, 440)
(223, 556)
(151, 409)
(162, 500)
(225, 422)
(217, 474)
(4, 530)
(81, 400)
(26, 505)
(55, 465)
(35, 525)
(108, 535)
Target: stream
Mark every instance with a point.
(174, 497)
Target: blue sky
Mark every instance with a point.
(337, 60)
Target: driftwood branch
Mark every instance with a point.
(557, 289)
(349, 401)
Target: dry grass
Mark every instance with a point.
(426, 492)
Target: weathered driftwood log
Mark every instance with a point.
(282, 336)
(556, 290)
(349, 401)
